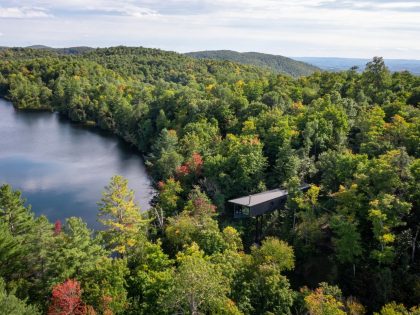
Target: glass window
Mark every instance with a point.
(241, 211)
(246, 211)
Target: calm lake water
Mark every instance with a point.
(62, 168)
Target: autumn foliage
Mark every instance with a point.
(57, 227)
(66, 299)
(192, 166)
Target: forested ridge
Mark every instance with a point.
(211, 131)
(276, 63)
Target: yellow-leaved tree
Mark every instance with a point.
(121, 215)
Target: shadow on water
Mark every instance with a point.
(29, 118)
(125, 149)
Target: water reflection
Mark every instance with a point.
(61, 167)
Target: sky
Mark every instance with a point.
(340, 28)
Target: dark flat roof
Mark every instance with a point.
(255, 199)
(262, 197)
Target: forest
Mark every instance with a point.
(278, 64)
(211, 131)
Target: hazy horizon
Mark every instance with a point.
(222, 49)
(318, 28)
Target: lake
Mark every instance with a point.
(61, 167)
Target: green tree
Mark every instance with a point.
(376, 79)
(372, 128)
(10, 252)
(121, 215)
(308, 219)
(198, 286)
(161, 121)
(271, 292)
(168, 198)
(240, 167)
(338, 168)
(72, 251)
(385, 215)
(11, 305)
(397, 309)
(13, 212)
(320, 302)
(164, 157)
(150, 279)
(104, 285)
(202, 137)
(324, 126)
(259, 287)
(347, 239)
(195, 224)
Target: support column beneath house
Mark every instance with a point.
(258, 229)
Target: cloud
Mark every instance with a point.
(348, 28)
(113, 9)
(378, 5)
(79, 8)
(127, 10)
(22, 12)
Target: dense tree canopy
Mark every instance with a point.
(211, 131)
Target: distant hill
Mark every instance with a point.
(144, 64)
(339, 64)
(276, 63)
(39, 47)
(65, 51)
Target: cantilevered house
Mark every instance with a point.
(261, 203)
(255, 206)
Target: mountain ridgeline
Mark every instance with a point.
(274, 63)
(278, 64)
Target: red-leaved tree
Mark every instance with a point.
(192, 166)
(66, 299)
(57, 227)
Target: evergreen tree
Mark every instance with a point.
(121, 215)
